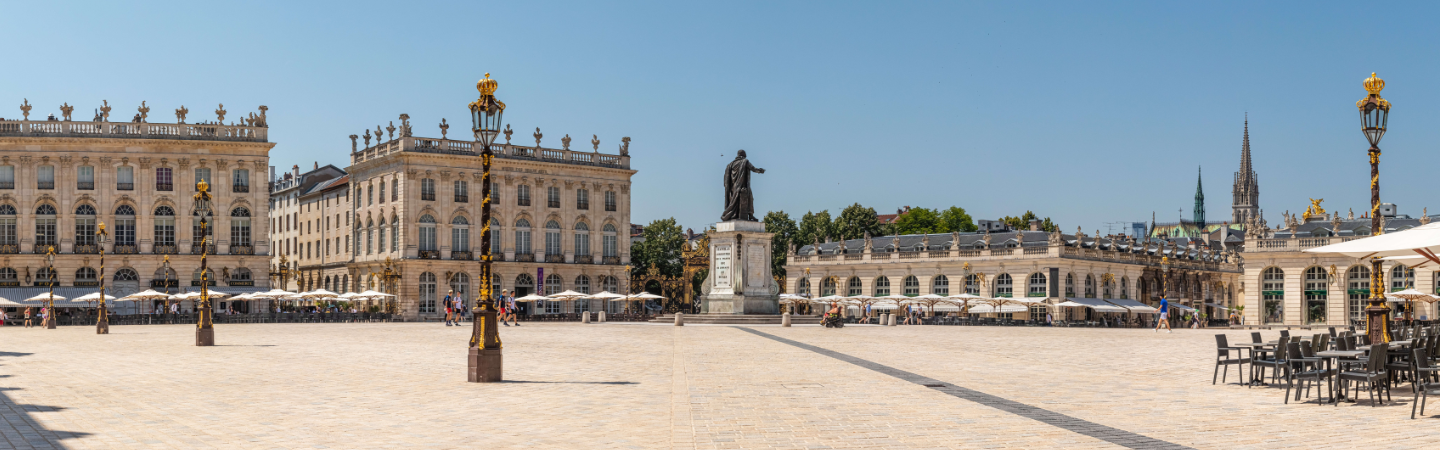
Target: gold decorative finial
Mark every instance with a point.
(486, 86)
(202, 186)
(1374, 84)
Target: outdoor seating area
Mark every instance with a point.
(1336, 366)
(974, 310)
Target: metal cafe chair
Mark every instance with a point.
(1222, 358)
(1372, 374)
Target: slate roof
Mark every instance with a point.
(976, 241)
(1355, 227)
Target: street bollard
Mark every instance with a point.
(585, 317)
(785, 320)
(892, 320)
(601, 317)
(679, 319)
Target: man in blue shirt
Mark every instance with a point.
(1164, 315)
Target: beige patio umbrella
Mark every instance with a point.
(964, 298)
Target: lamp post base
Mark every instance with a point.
(102, 325)
(50, 322)
(1377, 322)
(485, 365)
(204, 337)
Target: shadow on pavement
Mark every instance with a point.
(572, 382)
(28, 432)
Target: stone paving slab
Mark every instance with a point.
(641, 386)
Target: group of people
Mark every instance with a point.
(29, 317)
(455, 309)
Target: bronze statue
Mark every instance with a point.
(739, 204)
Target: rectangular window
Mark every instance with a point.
(395, 237)
(427, 189)
(164, 179)
(125, 178)
(382, 191)
(582, 199)
(370, 195)
(46, 179)
(462, 191)
(523, 196)
(552, 197)
(203, 174)
(7, 177)
(609, 200)
(394, 190)
(494, 193)
(240, 181)
(8, 234)
(85, 178)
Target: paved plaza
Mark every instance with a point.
(402, 385)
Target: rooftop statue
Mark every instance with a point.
(739, 203)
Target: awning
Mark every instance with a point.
(1133, 306)
(1182, 307)
(1098, 305)
(1212, 305)
(987, 309)
(19, 294)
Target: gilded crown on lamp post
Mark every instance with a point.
(487, 86)
(1374, 85)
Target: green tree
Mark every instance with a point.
(784, 228)
(919, 220)
(661, 248)
(1023, 222)
(956, 219)
(855, 220)
(814, 226)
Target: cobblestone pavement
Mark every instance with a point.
(647, 386)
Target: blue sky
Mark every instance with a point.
(1086, 112)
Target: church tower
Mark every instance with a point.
(1246, 205)
(1199, 215)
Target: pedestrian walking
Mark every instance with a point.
(510, 307)
(449, 311)
(28, 313)
(1164, 315)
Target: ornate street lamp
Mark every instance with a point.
(204, 323)
(50, 312)
(1374, 114)
(102, 324)
(1164, 278)
(485, 115)
(166, 265)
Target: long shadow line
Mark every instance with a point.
(1105, 433)
(29, 432)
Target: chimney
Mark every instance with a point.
(317, 165)
(1034, 225)
(272, 174)
(295, 169)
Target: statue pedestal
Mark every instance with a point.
(739, 281)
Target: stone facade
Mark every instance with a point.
(59, 179)
(1048, 266)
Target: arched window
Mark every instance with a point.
(459, 234)
(852, 287)
(164, 229)
(609, 284)
(427, 293)
(1125, 288)
(582, 284)
(1037, 285)
(124, 275)
(460, 284)
(495, 237)
(86, 276)
(827, 286)
(1089, 286)
(609, 242)
(803, 287)
(46, 277)
(522, 238)
(940, 285)
(1069, 285)
(9, 236)
(85, 229)
(882, 286)
(328, 287)
(9, 278)
(582, 239)
(1357, 290)
(1320, 232)
(239, 227)
(1401, 278)
(427, 233)
(552, 239)
(1107, 289)
(1272, 289)
(45, 233)
(209, 277)
(911, 285)
(1317, 291)
(972, 284)
(522, 195)
(1004, 286)
(165, 277)
(1362, 231)
(380, 233)
(553, 285)
(524, 285)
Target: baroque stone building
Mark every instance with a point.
(1050, 266)
(61, 178)
(413, 206)
(310, 214)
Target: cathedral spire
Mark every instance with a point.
(1199, 213)
(1246, 202)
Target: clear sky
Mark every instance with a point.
(1086, 112)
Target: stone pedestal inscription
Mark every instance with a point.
(740, 282)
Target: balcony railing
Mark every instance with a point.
(240, 188)
(609, 206)
(427, 196)
(584, 259)
(164, 186)
(429, 254)
(165, 249)
(85, 185)
(553, 203)
(126, 249)
(462, 256)
(610, 260)
(124, 186)
(202, 249)
(525, 257)
(86, 249)
(42, 247)
(242, 250)
(554, 258)
(9, 249)
(180, 131)
(497, 256)
(462, 199)
(45, 185)
(523, 201)
(7, 185)
(582, 205)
